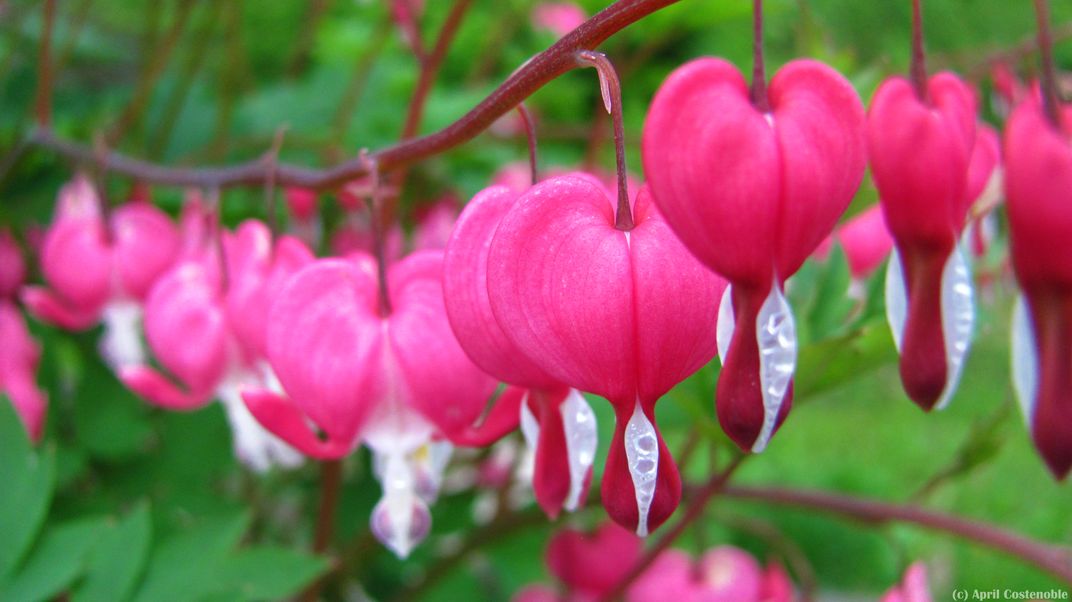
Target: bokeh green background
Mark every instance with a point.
(125, 501)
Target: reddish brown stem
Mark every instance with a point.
(536, 73)
(330, 480)
(43, 97)
(695, 509)
(759, 73)
(611, 89)
(429, 70)
(1051, 99)
(919, 59)
(379, 224)
(1054, 560)
(530, 136)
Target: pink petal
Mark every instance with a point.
(186, 327)
(551, 474)
(12, 267)
(324, 343)
(447, 387)
(77, 263)
(48, 307)
(465, 288)
(501, 420)
(729, 574)
(676, 304)
(145, 244)
(985, 157)
(593, 563)
(560, 285)
(866, 241)
(158, 390)
(285, 420)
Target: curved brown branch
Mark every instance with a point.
(535, 74)
(1052, 559)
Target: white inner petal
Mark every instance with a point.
(724, 331)
(530, 430)
(958, 318)
(121, 344)
(254, 446)
(1024, 360)
(896, 298)
(642, 454)
(400, 519)
(579, 423)
(776, 336)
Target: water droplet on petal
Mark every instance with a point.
(958, 318)
(776, 337)
(579, 424)
(1024, 359)
(724, 330)
(643, 458)
(896, 298)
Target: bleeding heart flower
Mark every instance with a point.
(1038, 185)
(752, 192)
(866, 241)
(592, 564)
(305, 222)
(435, 224)
(723, 574)
(984, 189)
(208, 330)
(912, 588)
(558, 18)
(19, 355)
(558, 424)
(355, 369)
(920, 154)
(621, 314)
(102, 271)
(12, 267)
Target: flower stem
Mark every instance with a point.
(919, 59)
(1052, 559)
(378, 224)
(759, 74)
(1051, 99)
(43, 97)
(330, 480)
(530, 134)
(611, 89)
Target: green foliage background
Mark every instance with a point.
(122, 501)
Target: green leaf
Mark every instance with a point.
(268, 573)
(57, 560)
(183, 566)
(118, 559)
(26, 492)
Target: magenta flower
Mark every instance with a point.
(920, 153)
(12, 267)
(102, 271)
(557, 422)
(1038, 185)
(358, 370)
(208, 331)
(866, 241)
(621, 314)
(19, 355)
(984, 189)
(912, 588)
(591, 564)
(305, 222)
(752, 192)
(558, 18)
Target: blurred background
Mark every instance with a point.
(199, 82)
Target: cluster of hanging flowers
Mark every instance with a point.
(540, 292)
